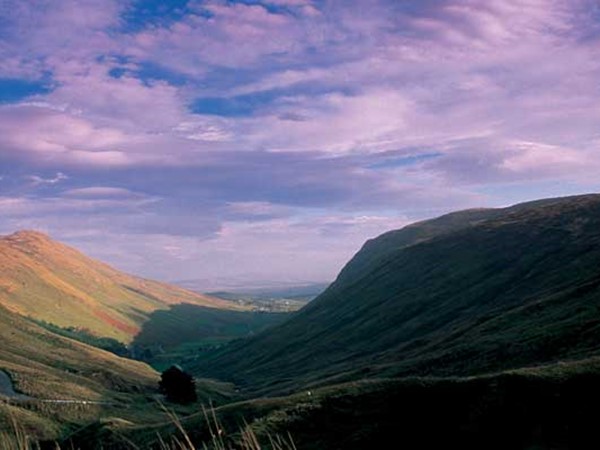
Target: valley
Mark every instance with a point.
(184, 332)
(458, 328)
(60, 312)
(281, 299)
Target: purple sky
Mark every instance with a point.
(248, 141)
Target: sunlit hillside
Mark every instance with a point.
(50, 281)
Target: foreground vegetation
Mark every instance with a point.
(548, 407)
(18, 438)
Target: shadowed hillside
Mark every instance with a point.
(467, 293)
(176, 335)
(52, 282)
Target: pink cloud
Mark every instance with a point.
(551, 160)
(37, 180)
(235, 35)
(482, 25)
(334, 123)
(290, 2)
(48, 136)
(61, 30)
(87, 89)
(257, 209)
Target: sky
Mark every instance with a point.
(252, 142)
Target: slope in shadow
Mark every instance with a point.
(177, 334)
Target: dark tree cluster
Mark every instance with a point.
(177, 385)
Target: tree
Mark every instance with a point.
(177, 385)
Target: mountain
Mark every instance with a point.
(49, 281)
(467, 293)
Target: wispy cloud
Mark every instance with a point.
(37, 180)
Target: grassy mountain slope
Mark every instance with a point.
(46, 366)
(468, 293)
(49, 281)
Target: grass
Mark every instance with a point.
(49, 281)
(104, 343)
(191, 323)
(178, 334)
(44, 365)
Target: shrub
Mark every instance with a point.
(177, 385)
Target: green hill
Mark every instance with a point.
(468, 293)
(54, 283)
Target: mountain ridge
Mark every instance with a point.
(488, 290)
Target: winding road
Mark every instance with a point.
(7, 390)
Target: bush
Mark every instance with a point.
(178, 386)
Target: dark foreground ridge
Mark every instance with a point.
(551, 407)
